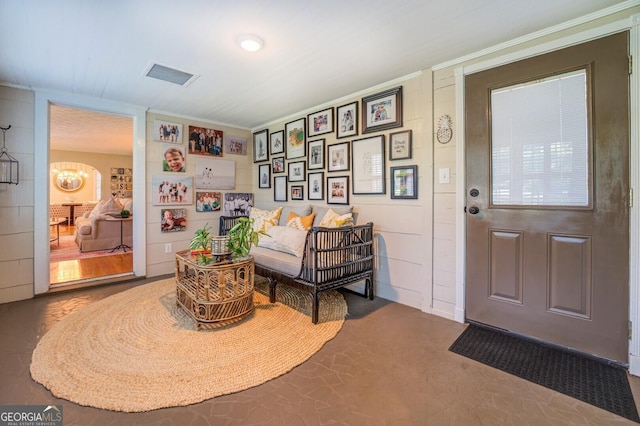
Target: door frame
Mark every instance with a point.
(41, 174)
(632, 24)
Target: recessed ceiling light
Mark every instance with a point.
(250, 42)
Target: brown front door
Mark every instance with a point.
(547, 218)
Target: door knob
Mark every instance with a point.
(474, 192)
(474, 210)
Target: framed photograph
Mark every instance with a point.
(213, 173)
(276, 142)
(297, 192)
(208, 201)
(235, 145)
(237, 204)
(338, 155)
(315, 157)
(400, 145)
(264, 176)
(320, 122)
(404, 182)
(296, 171)
(296, 139)
(171, 190)
(347, 120)
(316, 186)
(280, 188)
(204, 141)
(338, 190)
(260, 146)
(367, 158)
(166, 131)
(173, 159)
(173, 220)
(277, 165)
(382, 111)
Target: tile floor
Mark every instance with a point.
(389, 365)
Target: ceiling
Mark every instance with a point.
(314, 51)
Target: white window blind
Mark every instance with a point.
(539, 142)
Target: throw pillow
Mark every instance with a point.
(264, 219)
(285, 239)
(111, 207)
(303, 223)
(333, 220)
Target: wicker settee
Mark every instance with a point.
(332, 258)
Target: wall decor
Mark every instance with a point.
(367, 157)
(296, 171)
(171, 190)
(316, 186)
(400, 145)
(276, 142)
(260, 146)
(338, 190)
(121, 182)
(320, 122)
(204, 141)
(445, 129)
(208, 201)
(347, 119)
(296, 140)
(315, 156)
(297, 192)
(338, 156)
(173, 159)
(264, 176)
(235, 145)
(280, 188)
(214, 173)
(404, 182)
(382, 111)
(173, 220)
(167, 132)
(277, 165)
(237, 204)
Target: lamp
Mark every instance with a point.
(250, 42)
(8, 164)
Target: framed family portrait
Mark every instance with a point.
(208, 201)
(171, 190)
(316, 186)
(320, 122)
(173, 159)
(277, 165)
(400, 145)
(260, 146)
(382, 111)
(315, 155)
(338, 156)
(167, 131)
(367, 158)
(280, 188)
(297, 192)
(264, 176)
(214, 173)
(347, 120)
(276, 142)
(404, 182)
(295, 139)
(235, 145)
(338, 190)
(173, 220)
(205, 141)
(296, 171)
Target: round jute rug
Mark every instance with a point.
(137, 351)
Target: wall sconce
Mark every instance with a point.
(8, 164)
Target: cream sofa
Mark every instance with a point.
(100, 229)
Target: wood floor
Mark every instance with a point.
(81, 270)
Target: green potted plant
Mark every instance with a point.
(242, 236)
(201, 241)
(125, 214)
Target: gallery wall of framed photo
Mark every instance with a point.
(350, 147)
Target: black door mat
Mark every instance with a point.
(590, 380)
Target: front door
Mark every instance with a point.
(547, 149)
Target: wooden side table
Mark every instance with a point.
(216, 291)
(56, 221)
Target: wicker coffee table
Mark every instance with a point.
(214, 292)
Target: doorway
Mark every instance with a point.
(547, 228)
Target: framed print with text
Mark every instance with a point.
(347, 120)
(382, 111)
(280, 188)
(295, 138)
(367, 168)
(400, 145)
(315, 155)
(315, 186)
(260, 146)
(338, 190)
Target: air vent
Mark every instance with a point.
(171, 75)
